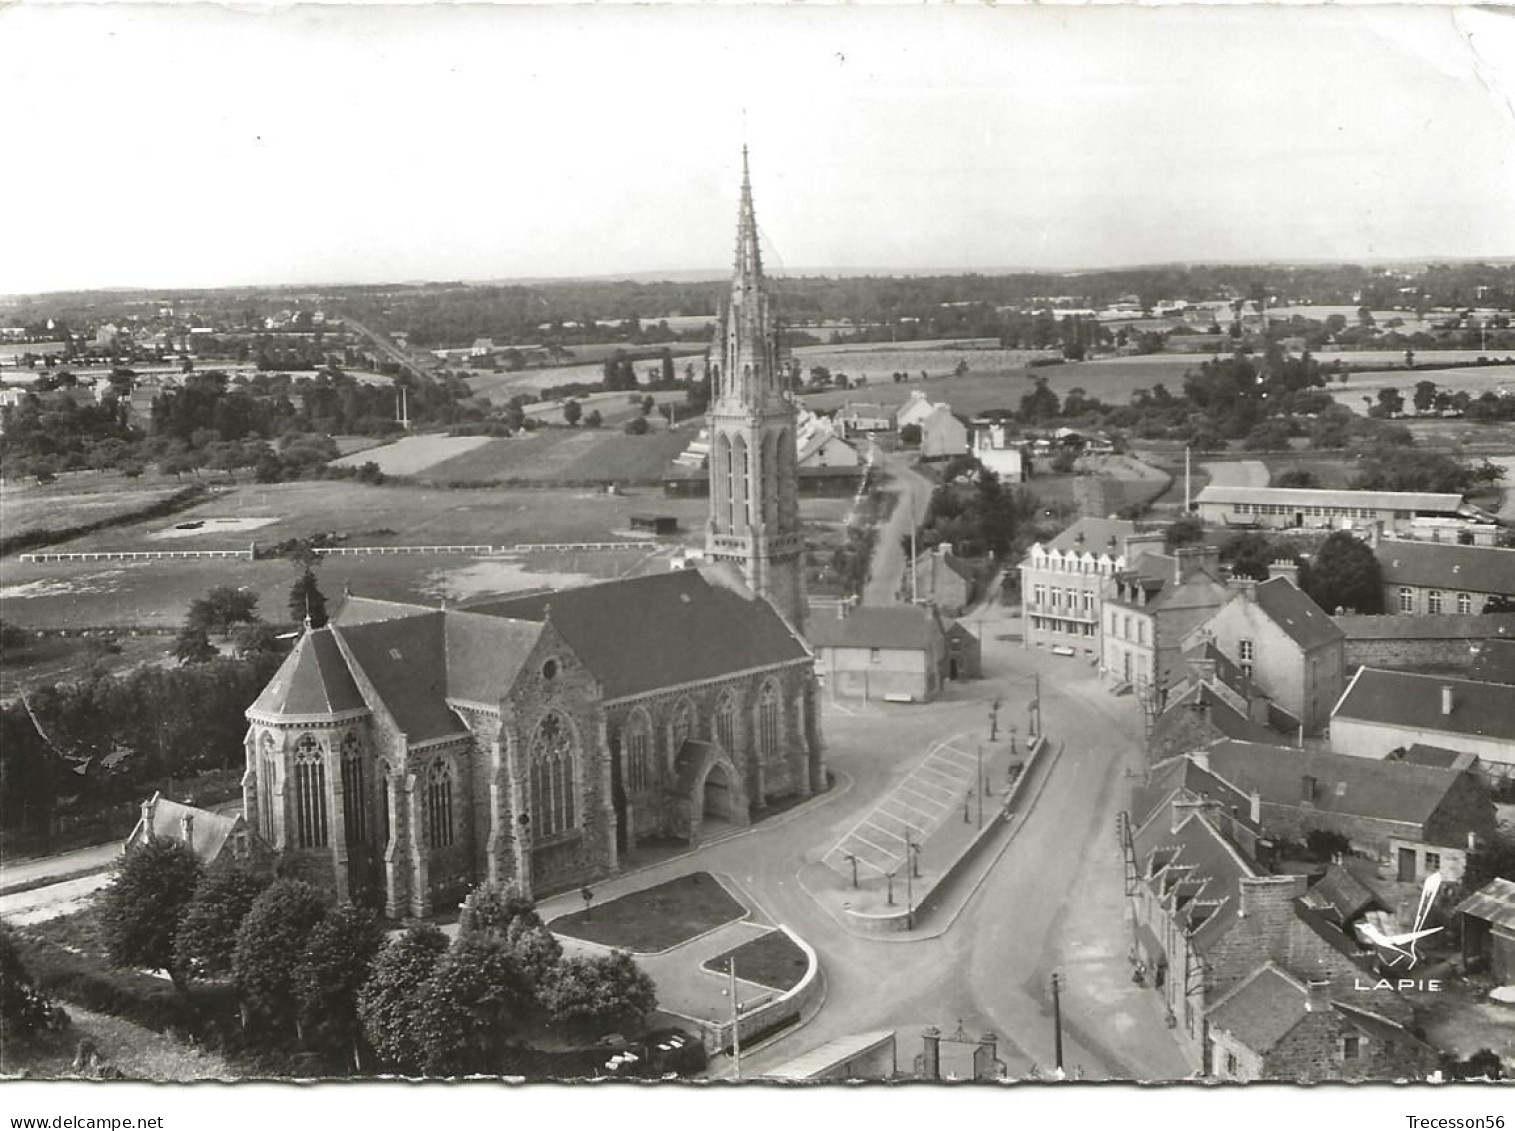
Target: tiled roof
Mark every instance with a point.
(1302, 497)
(1305, 622)
(208, 831)
(1341, 893)
(406, 661)
(1262, 1010)
(1357, 787)
(1407, 699)
(1451, 626)
(1443, 565)
(1224, 717)
(484, 654)
(640, 634)
(1494, 902)
(312, 680)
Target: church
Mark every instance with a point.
(403, 754)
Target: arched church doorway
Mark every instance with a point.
(718, 805)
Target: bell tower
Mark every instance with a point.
(754, 519)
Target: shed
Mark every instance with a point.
(1488, 930)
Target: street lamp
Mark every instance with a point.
(994, 721)
(889, 894)
(851, 859)
(1014, 730)
(1057, 1019)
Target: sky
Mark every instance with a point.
(198, 145)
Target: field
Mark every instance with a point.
(877, 361)
(1475, 381)
(566, 455)
(76, 499)
(411, 454)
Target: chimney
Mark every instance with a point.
(1447, 700)
(1183, 809)
(1200, 758)
(1268, 899)
(187, 829)
(1286, 568)
(149, 810)
(1144, 541)
(1318, 996)
(1375, 533)
(1245, 586)
(1254, 808)
(1204, 670)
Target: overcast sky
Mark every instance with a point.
(201, 146)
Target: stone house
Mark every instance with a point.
(402, 754)
(1383, 711)
(1206, 916)
(1434, 578)
(997, 450)
(1150, 608)
(1409, 640)
(1413, 818)
(1274, 1026)
(866, 416)
(1284, 643)
(1488, 930)
(1213, 703)
(943, 579)
(943, 436)
(212, 837)
(1063, 584)
(899, 653)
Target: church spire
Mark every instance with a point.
(749, 260)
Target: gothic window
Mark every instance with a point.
(439, 804)
(740, 471)
(682, 729)
(354, 795)
(310, 793)
(384, 809)
(636, 742)
(552, 758)
(788, 482)
(769, 503)
(770, 731)
(269, 756)
(725, 721)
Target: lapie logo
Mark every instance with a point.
(1401, 947)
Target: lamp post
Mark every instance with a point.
(1057, 1019)
(889, 891)
(1014, 730)
(994, 721)
(851, 859)
(983, 787)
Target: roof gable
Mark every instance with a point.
(1300, 618)
(1443, 565)
(312, 680)
(405, 661)
(1415, 701)
(912, 627)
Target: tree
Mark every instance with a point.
(493, 908)
(331, 973)
(1492, 859)
(1424, 397)
(600, 993)
(389, 1003)
(471, 1005)
(255, 640)
(207, 937)
(1185, 531)
(1344, 574)
(1298, 477)
(910, 434)
(23, 1007)
(193, 646)
(537, 953)
(142, 909)
(594, 419)
(637, 426)
(272, 936)
(648, 404)
(1251, 554)
(306, 601)
(572, 411)
(1390, 403)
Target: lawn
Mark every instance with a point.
(657, 918)
(412, 454)
(78, 498)
(138, 1053)
(567, 455)
(772, 960)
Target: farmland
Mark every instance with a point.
(1474, 380)
(566, 455)
(412, 454)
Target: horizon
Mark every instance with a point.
(1060, 140)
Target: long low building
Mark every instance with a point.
(1383, 711)
(1282, 507)
(1431, 578)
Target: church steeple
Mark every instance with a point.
(754, 507)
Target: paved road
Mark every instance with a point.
(912, 491)
(64, 864)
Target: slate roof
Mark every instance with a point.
(485, 654)
(912, 627)
(208, 832)
(406, 661)
(1447, 626)
(1341, 895)
(1224, 717)
(312, 680)
(1303, 497)
(1305, 622)
(1359, 787)
(1198, 860)
(1443, 565)
(1411, 700)
(1494, 902)
(643, 633)
(1263, 1009)
(1420, 754)
(1097, 534)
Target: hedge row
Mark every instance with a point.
(34, 539)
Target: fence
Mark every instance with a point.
(133, 555)
(348, 551)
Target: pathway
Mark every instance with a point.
(912, 492)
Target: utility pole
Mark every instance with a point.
(1186, 479)
(736, 1029)
(982, 785)
(1057, 1020)
(909, 882)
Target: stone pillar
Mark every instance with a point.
(931, 1055)
(394, 894)
(816, 739)
(336, 830)
(607, 793)
(520, 831)
(420, 879)
(250, 787)
(499, 817)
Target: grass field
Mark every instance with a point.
(77, 499)
(566, 455)
(412, 454)
(772, 960)
(1475, 381)
(657, 918)
(877, 362)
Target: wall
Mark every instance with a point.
(852, 673)
(1376, 740)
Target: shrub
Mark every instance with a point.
(270, 940)
(389, 1003)
(24, 1008)
(207, 938)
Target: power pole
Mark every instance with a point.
(981, 786)
(736, 1029)
(1057, 1020)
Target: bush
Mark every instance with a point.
(133, 997)
(637, 426)
(23, 1007)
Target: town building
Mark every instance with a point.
(943, 435)
(1437, 578)
(895, 653)
(1291, 507)
(1150, 608)
(915, 409)
(1063, 582)
(857, 417)
(818, 444)
(1274, 1026)
(1384, 711)
(1412, 817)
(1212, 701)
(943, 579)
(1414, 641)
(998, 451)
(212, 837)
(402, 754)
(1284, 643)
(1488, 931)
